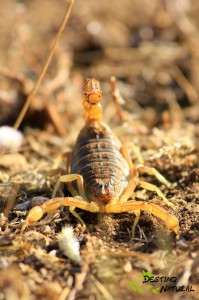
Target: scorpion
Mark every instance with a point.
(101, 175)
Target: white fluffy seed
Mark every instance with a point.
(69, 244)
(10, 138)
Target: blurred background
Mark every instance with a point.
(150, 46)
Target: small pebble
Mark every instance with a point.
(38, 200)
(128, 267)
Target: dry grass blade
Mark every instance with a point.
(35, 88)
(102, 289)
(186, 86)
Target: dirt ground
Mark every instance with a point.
(151, 47)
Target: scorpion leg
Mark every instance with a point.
(133, 181)
(125, 152)
(137, 216)
(63, 156)
(151, 187)
(36, 213)
(153, 171)
(170, 220)
(76, 215)
(126, 195)
(56, 170)
(130, 146)
(154, 188)
(69, 178)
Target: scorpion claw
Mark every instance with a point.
(34, 215)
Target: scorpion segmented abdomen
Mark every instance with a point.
(97, 157)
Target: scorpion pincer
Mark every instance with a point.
(104, 174)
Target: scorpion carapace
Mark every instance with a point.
(97, 157)
(103, 170)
